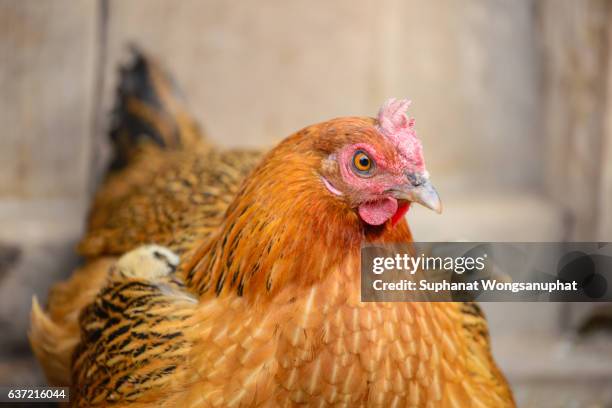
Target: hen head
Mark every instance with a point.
(377, 167)
(324, 190)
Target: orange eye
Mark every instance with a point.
(362, 162)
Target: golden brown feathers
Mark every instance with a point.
(54, 333)
(171, 198)
(278, 320)
(147, 340)
(264, 307)
(132, 335)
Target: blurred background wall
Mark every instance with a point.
(512, 100)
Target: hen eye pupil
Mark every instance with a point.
(364, 161)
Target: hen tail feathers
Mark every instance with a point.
(149, 109)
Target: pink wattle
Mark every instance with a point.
(378, 212)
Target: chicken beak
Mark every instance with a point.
(427, 196)
(419, 190)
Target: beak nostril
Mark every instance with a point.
(415, 179)
(420, 190)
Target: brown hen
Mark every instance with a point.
(263, 308)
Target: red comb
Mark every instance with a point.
(395, 125)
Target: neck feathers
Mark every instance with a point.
(283, 228)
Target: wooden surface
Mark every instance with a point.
(46, 75)
(605, 193)
(575, 49)
(256, 72)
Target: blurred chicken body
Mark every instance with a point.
(263, 308)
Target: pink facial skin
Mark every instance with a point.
(378, 207)
(371, 185)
